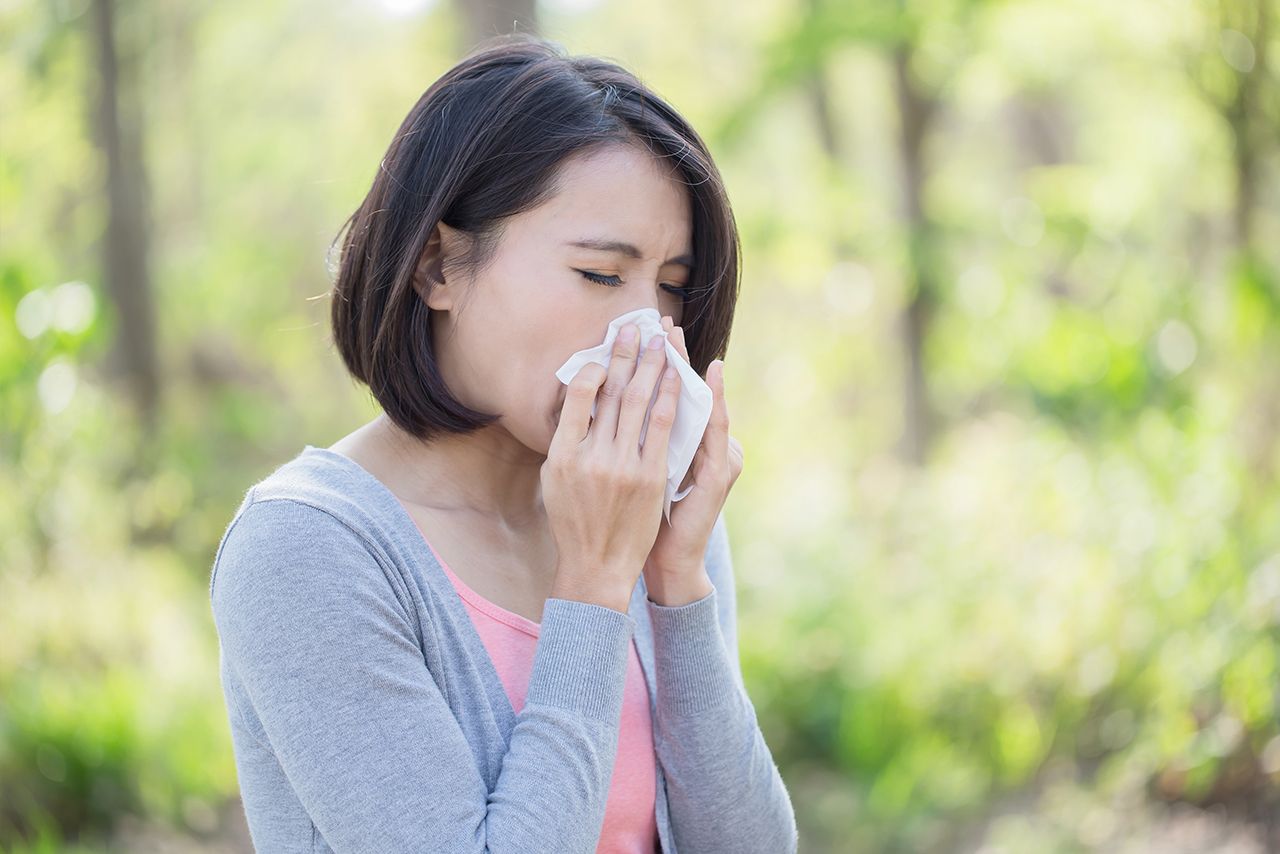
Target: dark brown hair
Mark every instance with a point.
(483, 143)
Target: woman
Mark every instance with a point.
(455, 630)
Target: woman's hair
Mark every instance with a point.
(485, 142)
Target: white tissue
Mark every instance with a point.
(693, 410)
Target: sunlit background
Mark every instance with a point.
(1005, 367)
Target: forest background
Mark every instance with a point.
(1005, 367)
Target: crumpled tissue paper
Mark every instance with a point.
(693, 411)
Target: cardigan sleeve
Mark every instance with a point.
(724, 790)
(320, 646)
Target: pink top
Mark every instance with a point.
(630, 821)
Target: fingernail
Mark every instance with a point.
(655, 342)
(628, 333)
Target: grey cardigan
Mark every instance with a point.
(366, 714)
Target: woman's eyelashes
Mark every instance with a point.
(615, 282)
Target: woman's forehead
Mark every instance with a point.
(622, 201)
(619, 178)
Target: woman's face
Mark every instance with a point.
(501, 337)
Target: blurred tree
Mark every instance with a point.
(483, 19)
(894, 29)
(126, 267)
(1231, 69)
(916, 108)
(1236, 79)
(820, 96)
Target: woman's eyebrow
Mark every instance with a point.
(621, 247)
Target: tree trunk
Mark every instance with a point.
(915, 110)
(484, 19)
(820, 96)
(125, 264)
(1242, 114)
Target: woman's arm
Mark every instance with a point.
(724, 791)
(323, 646)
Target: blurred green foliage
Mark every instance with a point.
(1054, 632)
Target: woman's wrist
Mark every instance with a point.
(565, 587)
(672, 590)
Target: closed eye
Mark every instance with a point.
(615, 282)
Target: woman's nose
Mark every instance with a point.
(652, 303)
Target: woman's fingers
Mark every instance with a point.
(661, 418)
(676, 335)
(622, 364)
(716, 439)
(720, 449)
(736, 460)
(575, 412)
(639, 393)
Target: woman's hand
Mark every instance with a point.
(674, 572)
(602, 490)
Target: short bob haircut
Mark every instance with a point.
(485, 142)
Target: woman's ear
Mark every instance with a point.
(445, 245)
